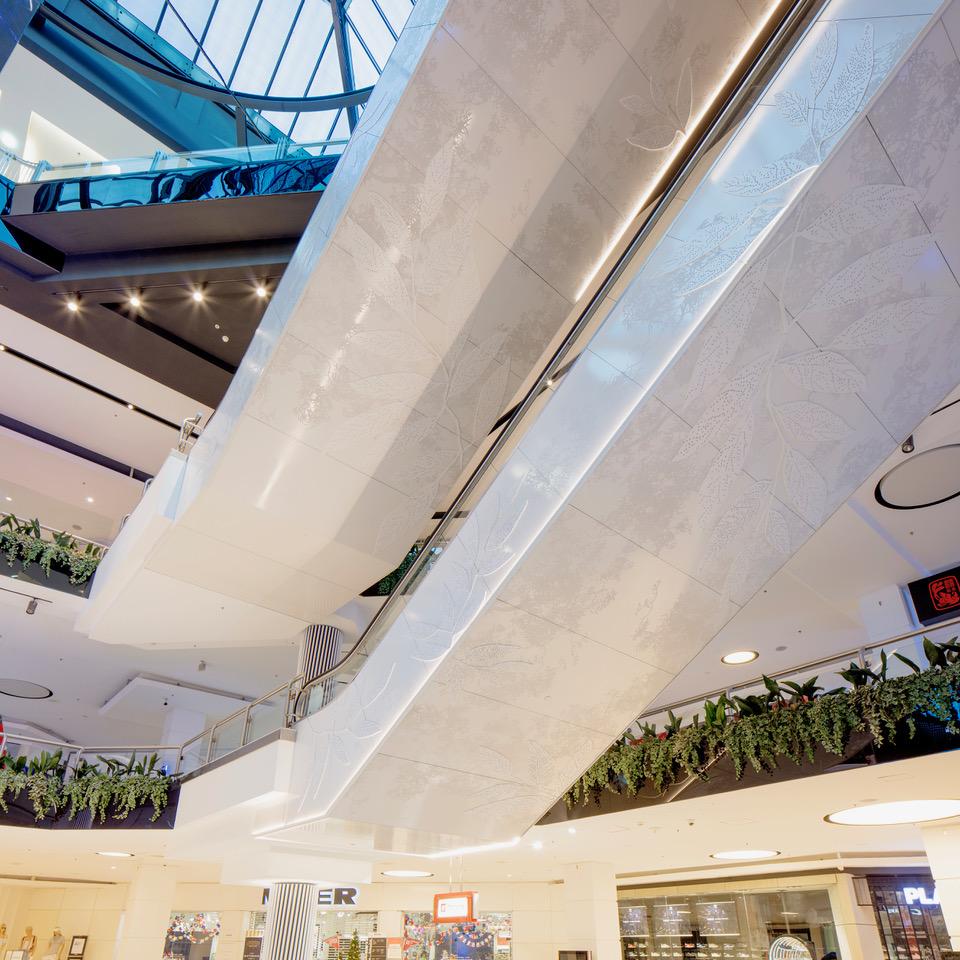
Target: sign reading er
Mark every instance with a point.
(338, 897)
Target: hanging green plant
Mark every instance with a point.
(791, 722)
(22, 540)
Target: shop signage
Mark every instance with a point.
(919, 895)
(377, 948)
(938, 597)
(338, 897)
(251, 948)
(455, 907)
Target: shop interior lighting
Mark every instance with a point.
(73, 303)
(739, 656)
(899, 811)
(745, 854)
(135, 301)
(261, 291)
(408, 874)
(197, 295)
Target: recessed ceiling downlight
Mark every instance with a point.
(408, 874)
(739, 656)
(113, 853)
(924, 480)
(745, 854)
(24, 689)
(899, 811)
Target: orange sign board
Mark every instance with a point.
(455, 907)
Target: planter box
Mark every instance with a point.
(59, 578)
(20, 814)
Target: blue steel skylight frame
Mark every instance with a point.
(312, 47)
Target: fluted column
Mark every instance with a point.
(291, 921)
(319, 651)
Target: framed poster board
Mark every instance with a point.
(78, 946)
(252, 947)
(455, 908)
(377, 948)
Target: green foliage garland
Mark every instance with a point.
(22, 540)
(791, 722)
(88, 786)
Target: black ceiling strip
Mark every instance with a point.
(946, 406)
(68, 446)
(89, 386)
(173, 338)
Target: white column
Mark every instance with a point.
(291, 921)
(943, 853)
(592, 916)
(146, 914)
(856, 925)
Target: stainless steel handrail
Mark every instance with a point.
(853, 653)
(187, 428)
(733, 99)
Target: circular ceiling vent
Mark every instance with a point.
(23, 689)
(928, 478)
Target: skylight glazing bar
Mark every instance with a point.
(243, 45)
(286, 43)
(387, 23)
(366, 49)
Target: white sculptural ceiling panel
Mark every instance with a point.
(745, 382)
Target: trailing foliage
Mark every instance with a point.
(114, 786)
(22, 540)
(790, 722)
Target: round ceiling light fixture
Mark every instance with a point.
(197, 295)
(261, 291)
(739, 656)
(924, 480)
(23, 689)
(73, 304)
(407, 874)
(896, 812)
(113, 853)
(745, 854)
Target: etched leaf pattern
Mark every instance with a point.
(891, 323)
(863, 208)
(809, 422)
(824, 371)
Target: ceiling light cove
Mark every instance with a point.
(23, 689)
(407, 874)
(739, 656)
(922, 481)
(113, 853)
(897, 812)
(745, 854)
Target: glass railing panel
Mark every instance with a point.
(266, 716)
(194, 754)
(228, 736)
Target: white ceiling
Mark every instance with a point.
(84, 674)
(812, 607)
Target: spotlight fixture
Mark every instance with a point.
(896, 812)
(197, 295)
(8, 499)
(261, 291)
(908, 445)
(571, 830)
(130, 406)
(31, 606)
(537, 844)
(745, 854)
(113, 853)
(407, 874)
(2, 347)
(134, 301)
(739, 656)
(89, 499)
(225, 338)
(73, 303)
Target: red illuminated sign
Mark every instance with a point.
(938, 597)
(945, 593)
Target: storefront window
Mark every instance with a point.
(910, 919)
(192, 936)
(333, 932)
(490, 938)
(798, 924)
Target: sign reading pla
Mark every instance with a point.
(919, 895)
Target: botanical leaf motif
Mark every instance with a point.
(863, 208)
(683, 102)
(792, 107)
(873, 272)
(738, 521)
(491, 401)
(809, 422)
(396, 232)
(391, 386)
(766, 178)
(442, 255)
(823, 371)
(360, 245)
(436, 182)
(391, 345)
(805, 486)
(388, 283)
(891, 322)
(732, 402)
(776, 532)
(709, 236)
(846, 93)
(725, 468)
(362, 729)
(824, 57)
(473, 362)
(725, 331)
(656, 130)
(383, 419)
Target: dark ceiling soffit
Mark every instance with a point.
(67, 446)
(212, 92)
(70, 378)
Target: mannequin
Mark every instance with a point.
(3, 938)
(28, 942)
(54, 949)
